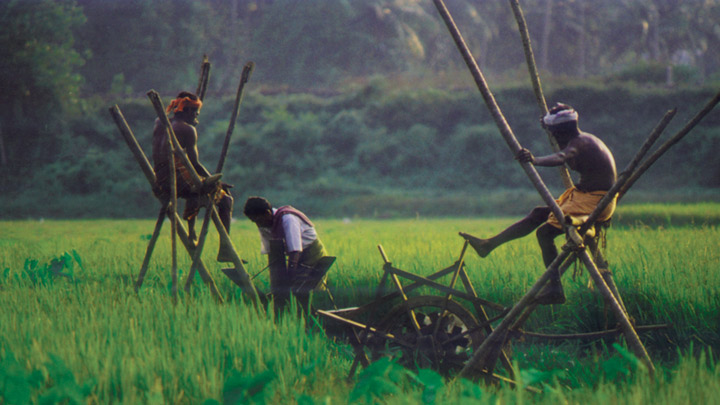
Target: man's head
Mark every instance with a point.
(259, 211)
(562, 121)
(186, 107)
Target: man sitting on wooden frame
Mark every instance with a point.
(186, 108)
(582, 152)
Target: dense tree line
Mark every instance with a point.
(376, 151)
(400, 101)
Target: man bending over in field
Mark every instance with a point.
(286, 230)
(583, 153)
(186, 108)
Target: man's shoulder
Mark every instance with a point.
(180, 124)
(290, 217)
(183, 129)
(588, 139)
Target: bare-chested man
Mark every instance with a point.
(186, 108)
(582, 152)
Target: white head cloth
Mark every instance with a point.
(560, 117)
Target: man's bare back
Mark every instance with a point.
(590, 157)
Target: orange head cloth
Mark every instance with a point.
(179, 104)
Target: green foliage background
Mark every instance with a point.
(355, 108)
(373, 152)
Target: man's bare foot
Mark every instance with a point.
(481, 246)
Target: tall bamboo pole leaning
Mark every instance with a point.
(149, 173)
(488, 350)
(204, 77)
(495, 112)
(247, 71)
(535, 80)
(172, 210)
(200, 92)
(244, 77)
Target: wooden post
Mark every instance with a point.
(535, 80)
(133, 144)
(171, 210)
(247, 71)
(204, 77)
(151, 247)
(631, 336)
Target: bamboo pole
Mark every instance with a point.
(151, 247)
(484, 318)
(494, 109)
(584, 336)
(244, 277)
(247, 70)
(629, 332)
(535, 80)
(202, 270)
(171, 210)
(204, 77)
(497, 337)
(133, 144)
(531, 308)
(667, 145)
(200, 92)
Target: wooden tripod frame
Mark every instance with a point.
(168, 207)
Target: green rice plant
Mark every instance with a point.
(87, 336)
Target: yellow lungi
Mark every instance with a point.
(578, 203)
